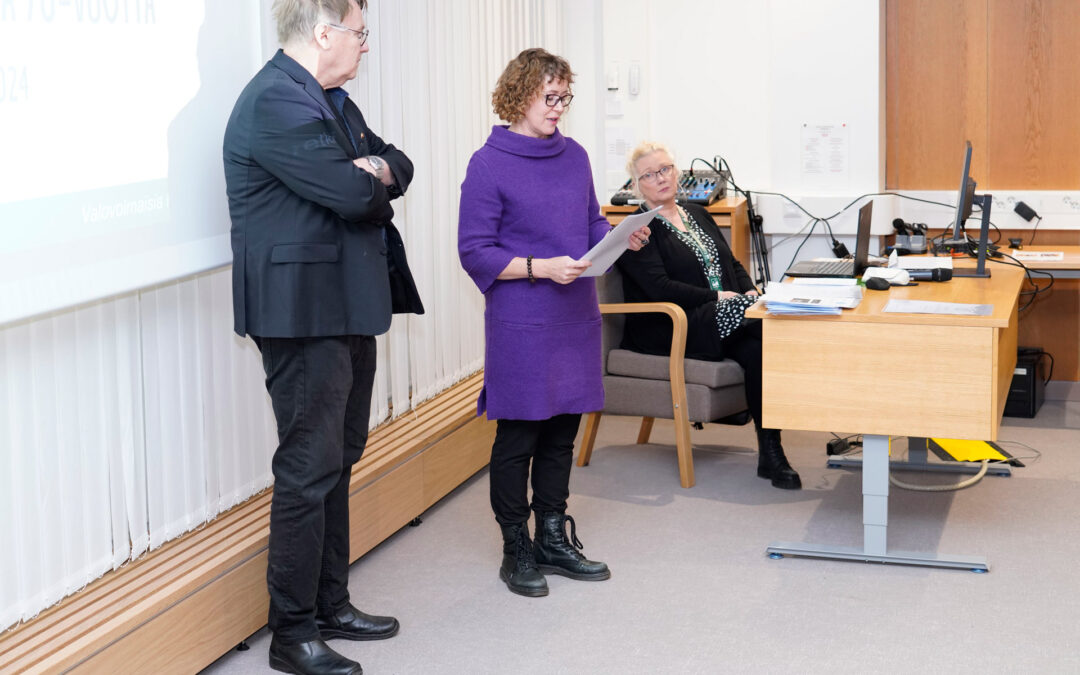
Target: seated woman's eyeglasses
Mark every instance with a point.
(552, 100)
(361, 35)
(651, 176)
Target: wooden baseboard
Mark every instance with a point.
(179, 608)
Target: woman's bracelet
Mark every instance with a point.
(528, 267)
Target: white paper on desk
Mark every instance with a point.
(933, 307)
(1038, 255)
(784, 296)
(608, 249)
(822, 281)
(908, 262)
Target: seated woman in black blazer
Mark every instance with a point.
(688, 262)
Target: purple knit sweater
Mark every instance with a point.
(527, 196)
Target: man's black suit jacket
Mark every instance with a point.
(310, 258)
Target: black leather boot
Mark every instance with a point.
(519, 569)
(352, 624)
(310, 658)
(557, 555)
(772, 463)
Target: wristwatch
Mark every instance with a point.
(376, 163)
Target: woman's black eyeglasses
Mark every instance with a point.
(552, 100)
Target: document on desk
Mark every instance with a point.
(924, 263)
(1038, 255)
(608, 249)
(811, 298)
(933, 307)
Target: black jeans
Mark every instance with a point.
(549, 444)
(321, 393)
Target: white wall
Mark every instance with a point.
(740, 79)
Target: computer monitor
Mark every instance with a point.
(965, 200)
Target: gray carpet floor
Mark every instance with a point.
(692, 590)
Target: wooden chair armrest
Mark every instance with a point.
(678, 333)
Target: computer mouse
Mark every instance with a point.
(877, 284)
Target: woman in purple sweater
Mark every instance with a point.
(528, 214)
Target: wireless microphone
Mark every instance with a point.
(939, 274)
(900, 226)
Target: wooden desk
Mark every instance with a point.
(729, 212)
(1066, 268)
(945, 376)
(1053, 322)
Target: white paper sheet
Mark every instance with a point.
(908, 262)
(1038, 255)
(932, 307)
(608, 249)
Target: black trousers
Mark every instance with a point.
(549, 445)
(743, 346)
(321, 394)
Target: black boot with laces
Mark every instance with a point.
(773, 464)
(555, 554)
(519, 569)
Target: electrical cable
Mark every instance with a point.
(757, 231)
(966, 483)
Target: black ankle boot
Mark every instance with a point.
(519, 569)
(772, 463)
(557, 555)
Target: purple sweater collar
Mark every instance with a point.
(502, 138)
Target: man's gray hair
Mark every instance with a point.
(296, 19)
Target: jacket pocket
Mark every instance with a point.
(304, 253)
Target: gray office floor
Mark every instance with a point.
(692, 590)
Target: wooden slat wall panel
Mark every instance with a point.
(206, 590)
(1034, 94)
(936, 83)
(1001, 73)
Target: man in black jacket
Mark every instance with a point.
(318, 269)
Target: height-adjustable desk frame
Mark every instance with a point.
(828, 374)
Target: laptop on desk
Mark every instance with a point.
(840, 269)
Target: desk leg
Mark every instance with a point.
(875, 490)
(918, 461)
(875, 493)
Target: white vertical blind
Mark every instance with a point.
(129, 421)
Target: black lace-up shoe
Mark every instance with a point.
(772, 463)
(555, 554)
(519, 569)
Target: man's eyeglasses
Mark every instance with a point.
(552, 100)
(651, 176)
(361, 35)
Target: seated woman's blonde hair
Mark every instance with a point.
(644, 148)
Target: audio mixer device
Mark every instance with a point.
(694, 187)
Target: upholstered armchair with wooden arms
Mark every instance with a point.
(650, 386)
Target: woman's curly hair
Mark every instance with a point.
(523, 78)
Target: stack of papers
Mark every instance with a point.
(812, 296)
